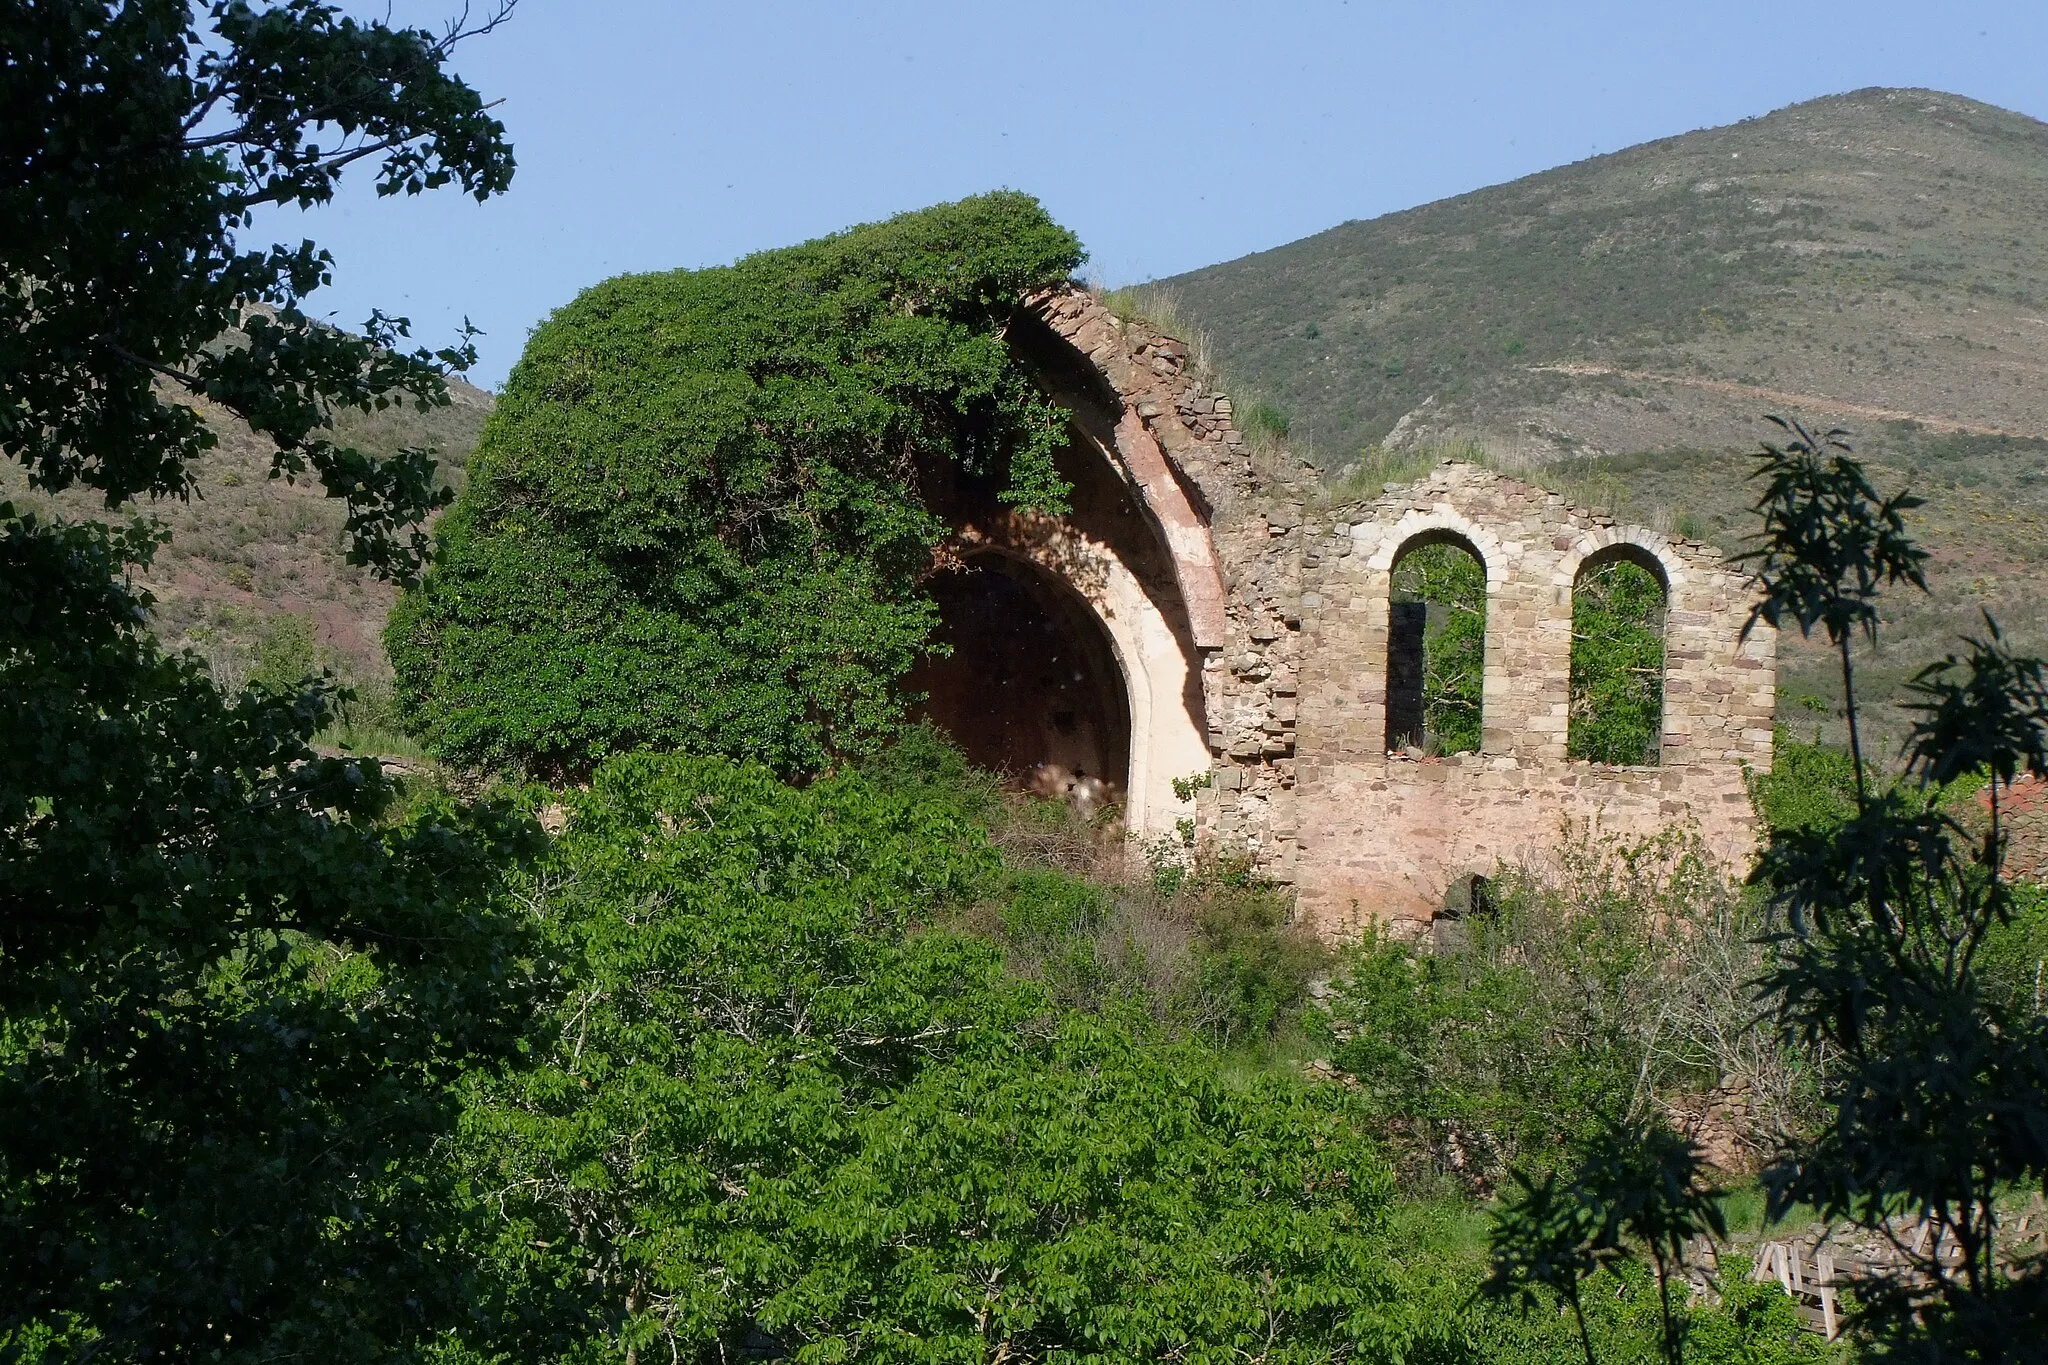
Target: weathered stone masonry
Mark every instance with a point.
(1281, 608)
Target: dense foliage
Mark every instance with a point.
(771, 1115)
(1617, 675)
(139, 138)
(1616, 980)
(235, 984)
(236, 977)
(1452, 581)
(694, 519)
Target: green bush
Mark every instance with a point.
(1617, 978)
(1809, 787)
(1617, 672)
(773, 1109)
(693, 522)
(1264, 421)
(237, 980)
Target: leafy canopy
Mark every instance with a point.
(694, 519)
(772, 1110)
(140, 139)
(236, 977)
(236, 980)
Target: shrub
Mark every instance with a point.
(773, 1110)
(1600, 987)
(1263, 422)
(1809, 787)
(693, 522)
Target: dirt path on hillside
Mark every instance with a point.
(1779, 396)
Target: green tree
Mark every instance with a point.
(236, 982)
(774, 1111)
(1617, 672)
(141, 138)
(1938, 1099)
(1453, 582)
(694, 519)
(236, 978)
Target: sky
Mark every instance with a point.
(657, 134)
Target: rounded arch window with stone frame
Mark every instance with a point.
(1620, 598)
(1436, 644)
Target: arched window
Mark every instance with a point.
(1617, 705)
(1436, 646)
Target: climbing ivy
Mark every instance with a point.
(694, 519)
(1617, 707)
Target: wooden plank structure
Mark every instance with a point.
(1814, 1274)
(1813, 1287)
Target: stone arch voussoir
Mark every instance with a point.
(1618, 541)
(1415, 525)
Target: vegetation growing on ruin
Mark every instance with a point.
(1617, 674)
(1453, 583)
(693, 520)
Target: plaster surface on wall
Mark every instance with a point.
(1107, 554)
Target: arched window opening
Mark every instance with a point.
(1032, 688)
(1617, 693)
(1436, 648)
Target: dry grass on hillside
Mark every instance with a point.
(251, 557)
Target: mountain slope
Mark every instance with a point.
(1616, 328)
(1881, 250)
(255, 573)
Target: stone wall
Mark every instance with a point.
(1293, 655)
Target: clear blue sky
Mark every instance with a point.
(653, 134)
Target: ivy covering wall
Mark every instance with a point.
(693, 520)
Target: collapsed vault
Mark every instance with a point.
(1204, 613)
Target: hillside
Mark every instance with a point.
(1877, 260)
(1614, 328)
(256, 568)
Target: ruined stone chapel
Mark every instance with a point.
(1201, 641)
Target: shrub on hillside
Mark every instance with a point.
(693, 520)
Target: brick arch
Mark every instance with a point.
(1167, 738)
(1136, 436)
(1151, 455)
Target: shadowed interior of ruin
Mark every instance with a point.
(1032, 689)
